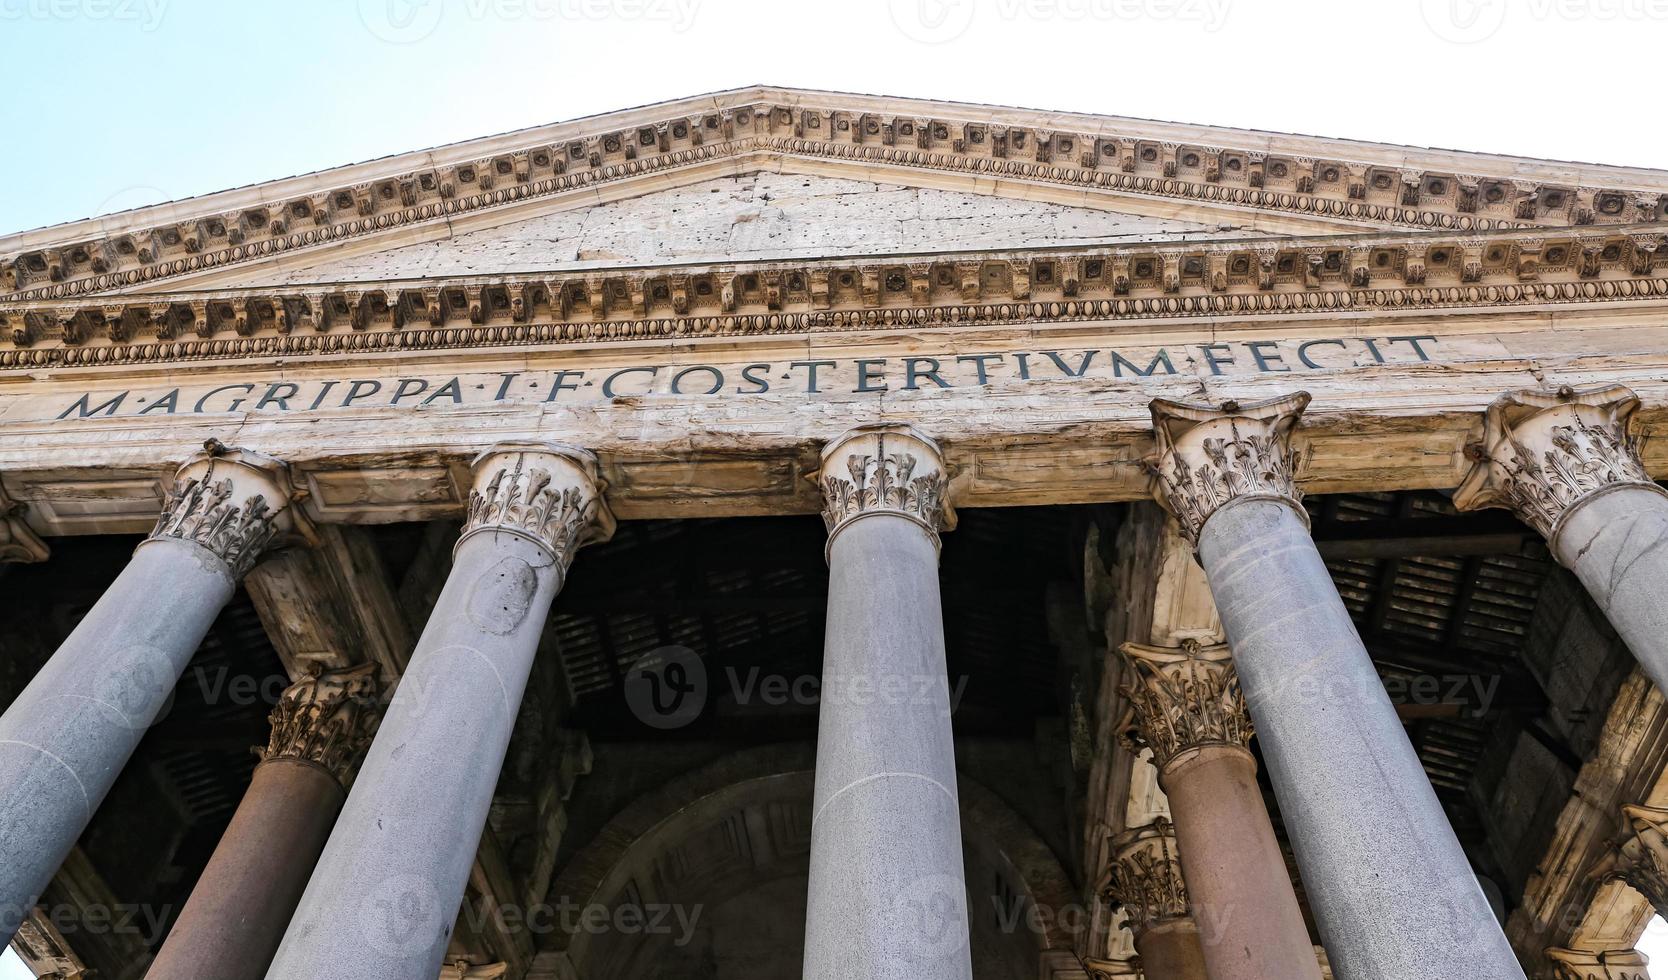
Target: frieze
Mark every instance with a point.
(926, 374)
(1261, 178)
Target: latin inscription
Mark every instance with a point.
(807, 377)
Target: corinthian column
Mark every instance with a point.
(1389, 883)
(382, 901)
(1190, 712)
(1148, 883)
(238, 909)
(887, 898)
(1567, 465)
(67, 736)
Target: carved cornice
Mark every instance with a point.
(328, 719)
(1115, 155)
(1209, 456)
(1642, 854)
(1185, 700)
(1545, 452)
(883, 469)
(1146, 877)
(547, 493)
(1138, 281)
(233, 502)
(1616, 964)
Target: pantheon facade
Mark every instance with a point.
(791, 534)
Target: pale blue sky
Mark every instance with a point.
(115, 103)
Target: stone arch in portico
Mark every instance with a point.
(719, 861)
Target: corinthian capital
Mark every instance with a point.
(1544, 452)
(233, 502)
(1641, 857)
(549, 494)
(1146, 876)
(1210, 456)
(1185, 700)
(891, 469)
(327, 719)
(1615, 964)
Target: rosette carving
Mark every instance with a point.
(1184, 700)
(885, 468)
(546, 493)
(1146, 876)
(1545, 452)
(1208, 457)
(327, 718)
(233, 502)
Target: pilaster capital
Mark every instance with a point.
(327, 718)
(233, 502)
(18, 541)
(1544, 452)
(547, 493)
(1146, 877)
(1185, 700)
(1614, 964)
(884, 469)
(1641, 857)
(1210, 456)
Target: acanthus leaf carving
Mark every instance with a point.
(1545, 452)
(1184, 700)
(327, 718)
(1145, 878)
(549, 494)
(883, 468)
(1209, 456)
(232, 502)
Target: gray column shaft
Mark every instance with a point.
(383, 900)
(68, 735)
(1616, 543)
(887, 894)
(1388, 881)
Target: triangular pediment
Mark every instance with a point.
(763, 216)
(1039, 175)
